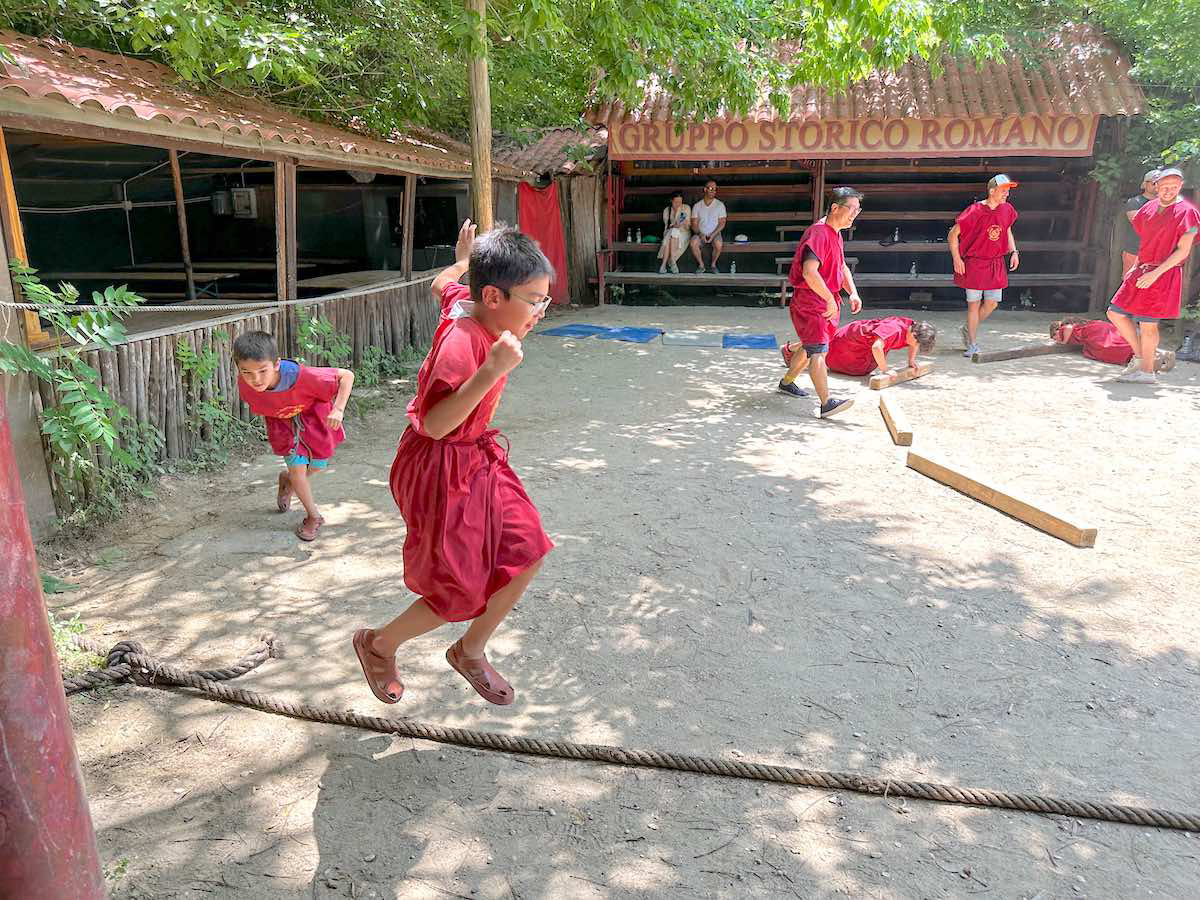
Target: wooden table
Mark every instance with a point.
(344, 280)
(200, 278)
(249, 265)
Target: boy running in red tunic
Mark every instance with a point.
(1102, 342)
(474, 539)
(303, 406)
(818, 273)
(1153, 288)
(859, 348)
(980, 239)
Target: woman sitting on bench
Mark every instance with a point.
(677, 231)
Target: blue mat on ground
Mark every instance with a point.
(750, 342)
(630, 333)
(575, 330)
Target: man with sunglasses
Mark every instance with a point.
(708, 221)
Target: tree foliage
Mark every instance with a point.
(379, 64)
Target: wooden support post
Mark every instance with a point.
(1052, 523)
(181, 218)
(818, 187)
(481, 118)
(14, 241)
(1023, 352)
(879, 382)
(285, 229)
(896, 421)
(407, 221)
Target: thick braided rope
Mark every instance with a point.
(117, 666)
(156, 672)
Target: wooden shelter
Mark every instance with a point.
(919, 143)
(112, 171)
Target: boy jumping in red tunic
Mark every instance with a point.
(859, 348)
(475, 539)
(980, 239)
(303, 407)
(1102, 342)
(817, 275)
(1153, 288)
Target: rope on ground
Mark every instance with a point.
(129, 661)
(348, 294)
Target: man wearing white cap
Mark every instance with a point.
(980, 239)
(1153, 287)
(1129, 244)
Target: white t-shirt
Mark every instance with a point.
(708, 215)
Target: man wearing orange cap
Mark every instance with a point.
(980, 239)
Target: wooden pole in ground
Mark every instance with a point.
(14, 238)
(181, 218)
(481, 119)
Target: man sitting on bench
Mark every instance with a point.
(708, 220)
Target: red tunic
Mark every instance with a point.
(471, 526)
(850, 349)
(1159, 230)
(296, 417)
(1102, 342)
(982, 244)
(807, 307)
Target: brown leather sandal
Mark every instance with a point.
(488, 683)
(283, 496)
(380, 672)
(307, 530)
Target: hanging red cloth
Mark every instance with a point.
(538, 214)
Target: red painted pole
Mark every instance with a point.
(47, 846)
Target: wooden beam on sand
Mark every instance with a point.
(1052, 523)
(879, 382)
(896, 421)
(1022, 352)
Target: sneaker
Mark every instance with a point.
(1138, 377)
(662, 270)
(966, 337)
(792, 389)
(1134, 365)
(714, 271)
(971, 350)
(674, 269)
(700, 271)
(786, 352)
(835, 406)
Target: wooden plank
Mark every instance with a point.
(1053, 523)
(14, 240)
(409, 201)
(480, 93)
(728, 190)
(879, 382)
(896, 421)
(943, 247)
(123, 277)
(1015, 279)
(185, 251)
(1023, 352)
(200, 265)
(730, 246)
(694, 279)
(782, 216)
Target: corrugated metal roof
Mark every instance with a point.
(49, 73)
(1081, 74)
(549, 154)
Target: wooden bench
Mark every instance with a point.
(730, 247)
(1015, 279)
(782, 216)
(781, 261)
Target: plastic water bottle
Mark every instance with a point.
(639, 235)
(733, 268)
(896, 235)
(913, 270)
(629, 236)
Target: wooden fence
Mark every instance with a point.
(145, 376)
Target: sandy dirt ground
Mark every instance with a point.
(733, 577)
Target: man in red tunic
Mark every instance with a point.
(474, 539)
(1102, 342)
(303, 407)
(859, 348)
(1153, 288)
(980, 239)
(818, 274)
